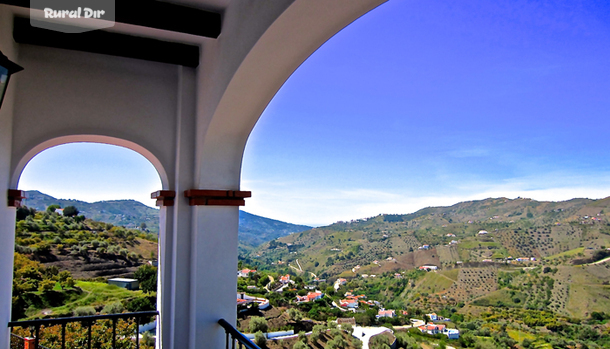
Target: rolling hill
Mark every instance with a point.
(253, 229)
(476, 242)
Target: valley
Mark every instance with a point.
(503, 273)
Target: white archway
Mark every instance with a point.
(21, 164)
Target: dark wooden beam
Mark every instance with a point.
(15, 197)
(113, 44)
(206, 197)
(159, 15)
(164, 197)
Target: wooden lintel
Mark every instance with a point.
(15, 197)
(205, 197)
(164, 197)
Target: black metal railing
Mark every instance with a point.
(234, 337)
(71, 333)
(17, 342)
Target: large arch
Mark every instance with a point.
(301, 28)
(191, 123)
(29, 155)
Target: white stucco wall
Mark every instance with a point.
(7, 214)
(192, 124)
(73, 93)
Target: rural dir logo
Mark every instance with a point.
(72, 16)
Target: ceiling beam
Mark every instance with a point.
(114, 44)
(159, 15)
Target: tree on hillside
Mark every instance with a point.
(147, 276)
(23, 212)
(300, 345)
(70, 211)
(260, 339)
(294, 314)
(258, 323)
(52, 208)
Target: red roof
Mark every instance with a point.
(314, 295)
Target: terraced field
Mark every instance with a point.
(472, 283)
(589, 288)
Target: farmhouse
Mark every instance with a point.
(386, 313)
(340, 282)
(244, 273)
(130, 284)
(310, 297)
(349, 303)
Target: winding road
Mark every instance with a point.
(365, 334)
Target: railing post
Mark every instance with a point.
(63, 336)
(137, 332)
(29, 343)
(37, 336)
(34, 327)
(114, 333)
(90, 323)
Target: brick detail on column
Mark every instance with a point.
(203, 197)
(14, 197)
(29, 343)
(164, 197)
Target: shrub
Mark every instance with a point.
(316, 332)
(46, 285)
(300, 345)
(379, 342)
(141, 304)
(113, 308)
(348, 328)
(335, 332)
(302, 337)
(147, 339)
(258, 324)
(23, 249)
(67, 283)
(336, 343)
(84, 311)
(259, 339)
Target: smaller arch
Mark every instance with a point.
(89, 139)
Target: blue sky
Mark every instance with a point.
(422, 103)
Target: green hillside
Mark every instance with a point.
(476, 242)
(127, 213)
(253, 229)
(514, 228)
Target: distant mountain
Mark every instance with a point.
(519, 227)
(127, 213)
(253, 230)
(473, 244)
